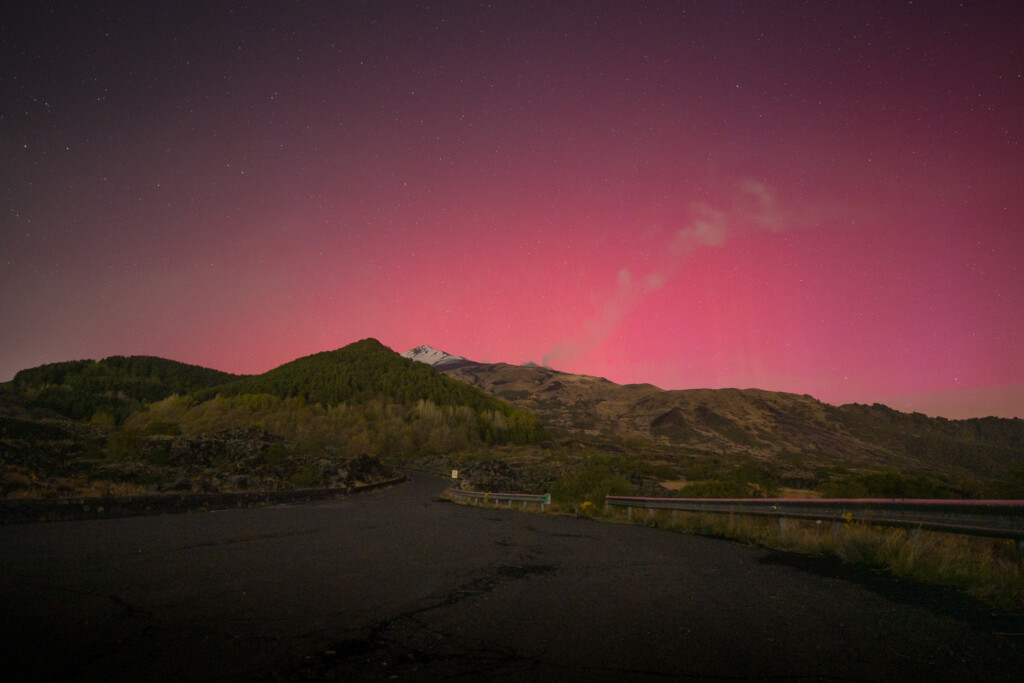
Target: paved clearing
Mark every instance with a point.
(397, 585)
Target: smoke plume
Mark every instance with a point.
(752, 210)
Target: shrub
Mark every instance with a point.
(718, 488)
(162, 428)
(891, 484)
(591, 484)
(123, 445)
(306, 478)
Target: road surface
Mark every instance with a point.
(398, 585)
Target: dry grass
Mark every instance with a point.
(17, 485)
(989, 569)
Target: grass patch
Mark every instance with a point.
(985, 568)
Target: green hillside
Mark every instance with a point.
(360, 398)
(116, 386)
(138, 424)
(360, 372)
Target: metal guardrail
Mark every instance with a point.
(994, 518)
(542, 499)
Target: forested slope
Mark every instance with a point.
(141, 423)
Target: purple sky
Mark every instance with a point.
(806, 197)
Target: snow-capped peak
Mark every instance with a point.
(431, 356)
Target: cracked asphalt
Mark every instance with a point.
(397, 585)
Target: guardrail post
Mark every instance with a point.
(783, 527)
(629, 513)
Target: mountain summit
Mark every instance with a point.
(441, 360)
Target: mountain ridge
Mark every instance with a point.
(140, 419)
(796, 434)
(441, 360)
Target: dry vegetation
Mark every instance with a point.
(800, 441)
(989, 569)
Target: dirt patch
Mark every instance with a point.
(786, 492)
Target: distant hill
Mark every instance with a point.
(360, 372)
(799, 438)
(116, 385)
(148, 423)
(363, 371)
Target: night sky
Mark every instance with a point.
(806, 197)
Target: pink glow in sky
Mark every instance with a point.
(818, 199)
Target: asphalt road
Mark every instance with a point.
(397, 585)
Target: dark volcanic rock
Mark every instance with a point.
(675, 426)
(367, 468)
